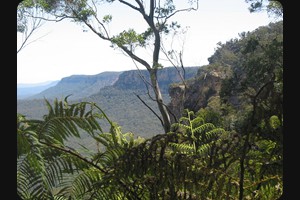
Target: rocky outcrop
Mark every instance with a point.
(196, 92)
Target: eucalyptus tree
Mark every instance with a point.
(156, 16)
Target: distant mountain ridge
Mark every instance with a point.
(27, 90)
(78, 86)
(120, 102)
(118, 99)
(83, 86)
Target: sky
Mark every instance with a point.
(61, 49)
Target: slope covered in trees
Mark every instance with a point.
(79, 86)
(231, 148)
(119, 100)
(231, 72)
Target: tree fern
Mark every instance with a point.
(41, 146)
(196, 160)
(195, 134)
(62, 172)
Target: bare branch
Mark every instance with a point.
(162, 123)
(31, 24)
(135, 57)
(182, 10)
(130, 5)
(25, 43)
(182, 77)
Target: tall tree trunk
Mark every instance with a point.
(159, 99)
(153, 73)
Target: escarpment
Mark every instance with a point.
(196, 92)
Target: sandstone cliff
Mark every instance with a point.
(195, 94)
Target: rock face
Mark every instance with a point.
(131, 80)
(196, 93)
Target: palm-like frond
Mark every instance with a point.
(62, 172)
(41, 149)
(30, 183)
(64, 120)
(182, 148)
(195, 134)
(195, 160)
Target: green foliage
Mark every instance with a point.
(198, 134)
(275, 122)
(168, 8)
(195, 160)
(107, 19)
(273, 7)
(231, 149)
(251, 106)
(41, 146)
(130, 39)
(259, 61)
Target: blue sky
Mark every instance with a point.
(65, 49)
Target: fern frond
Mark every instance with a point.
(83, 184)
(183, 119)
(31, 184)
(204, 128)
(204, 149)
(41, 149)
(182, 148)
(197, 121)
(214, 133)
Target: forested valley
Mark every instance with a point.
(225, 140)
